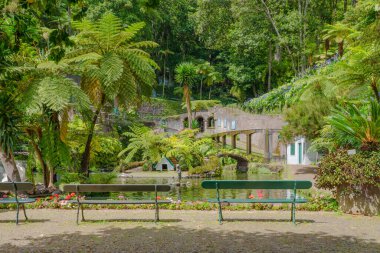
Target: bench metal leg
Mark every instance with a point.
(82, 213)
(220, 213)
(293, 217)
(157, 216)
(78, 214)
(23, 208)
(18, 211)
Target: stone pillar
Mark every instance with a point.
(249, 143)
(217, 138)
(224, 140)
(266, 147)
(233, 140)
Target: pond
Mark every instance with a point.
(191, 189)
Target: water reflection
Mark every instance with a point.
(191, 190)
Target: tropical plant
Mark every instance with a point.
(185, 75)
(363, 128)
(188, 150)
(112, 65)
(144, 144)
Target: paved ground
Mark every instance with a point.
(188, 231)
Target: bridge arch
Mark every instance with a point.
(242, 162)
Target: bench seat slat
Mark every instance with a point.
(274, 201)
(256, 184)
(13, 201)
(119, 202)
(116, 188)
(21, 186)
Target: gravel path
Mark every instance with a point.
(188, 231)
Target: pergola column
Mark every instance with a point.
(233, 140)
(249, 143)
(224, 140)
(266, 147)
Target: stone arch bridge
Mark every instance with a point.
(254, 133)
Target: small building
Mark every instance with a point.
(297, 153)
(166, 164)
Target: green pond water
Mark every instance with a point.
(191, 189)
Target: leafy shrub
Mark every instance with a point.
(101, 178)
(212, 165)
(68, 178)
(352, 171)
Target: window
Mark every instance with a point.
(225, 123)
(293, 149)
(219, 123)
(233, 124)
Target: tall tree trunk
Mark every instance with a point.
(45, 169)
(340, 48)
(37, 150)
(85, 163)
(186, 93)
(9, 165)
(209, 94)
(269, 16)
(327, 46)
(345, 5)
(69, 18)
(163, 84)
(200, 91)
(269, 84)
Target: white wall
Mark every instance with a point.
(307, 157)
(164, 161)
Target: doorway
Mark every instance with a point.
(164, 167)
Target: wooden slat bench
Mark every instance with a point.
(106, 188)
(293, 185)
(17, 187)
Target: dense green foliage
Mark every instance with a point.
(73, 74)
(150, 146)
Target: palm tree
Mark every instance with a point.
(112, 66)
(185, 74)
(340, 32)
(363, 128)
(211, 79)
(203, 70)
(46, 94)
(165, 54)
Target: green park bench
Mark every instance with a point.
(106, 188)
(259, 184)
(16, 188)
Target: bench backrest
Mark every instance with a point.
(256, 184)
(116, 188)
(16, 186)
